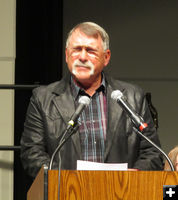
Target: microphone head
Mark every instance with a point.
(116, 95)
(84, 100)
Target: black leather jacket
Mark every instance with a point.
(52, 106)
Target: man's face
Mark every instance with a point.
(86, 57)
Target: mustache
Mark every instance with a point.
(88, 64)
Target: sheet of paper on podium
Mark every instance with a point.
(86, 165)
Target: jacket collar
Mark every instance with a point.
(64, 83)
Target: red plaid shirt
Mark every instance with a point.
(93, 123)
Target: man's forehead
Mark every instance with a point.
(78, 38)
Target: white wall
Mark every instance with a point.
(7, 65)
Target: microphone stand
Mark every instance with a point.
(67, 134)
(159, 149)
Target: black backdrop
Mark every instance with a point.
(38, 60)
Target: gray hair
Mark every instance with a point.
(91, 29)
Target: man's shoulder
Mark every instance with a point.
(47, 92)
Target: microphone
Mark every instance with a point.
(136, 119)
(72, 126)
(83, 102)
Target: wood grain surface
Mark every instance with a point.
(36, 191)
(109, 185)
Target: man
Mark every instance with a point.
(106, 133)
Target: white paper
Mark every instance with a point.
(86, 165)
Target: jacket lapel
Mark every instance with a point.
(65, 105)
(113, 118)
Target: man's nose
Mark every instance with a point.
(83, 55)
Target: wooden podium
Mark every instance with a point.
(101, 185)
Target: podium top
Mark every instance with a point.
(101, 185)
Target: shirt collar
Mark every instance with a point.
(78, 91)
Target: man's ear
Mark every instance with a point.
(107, 57)
(66, 54)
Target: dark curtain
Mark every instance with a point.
(38, 61)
